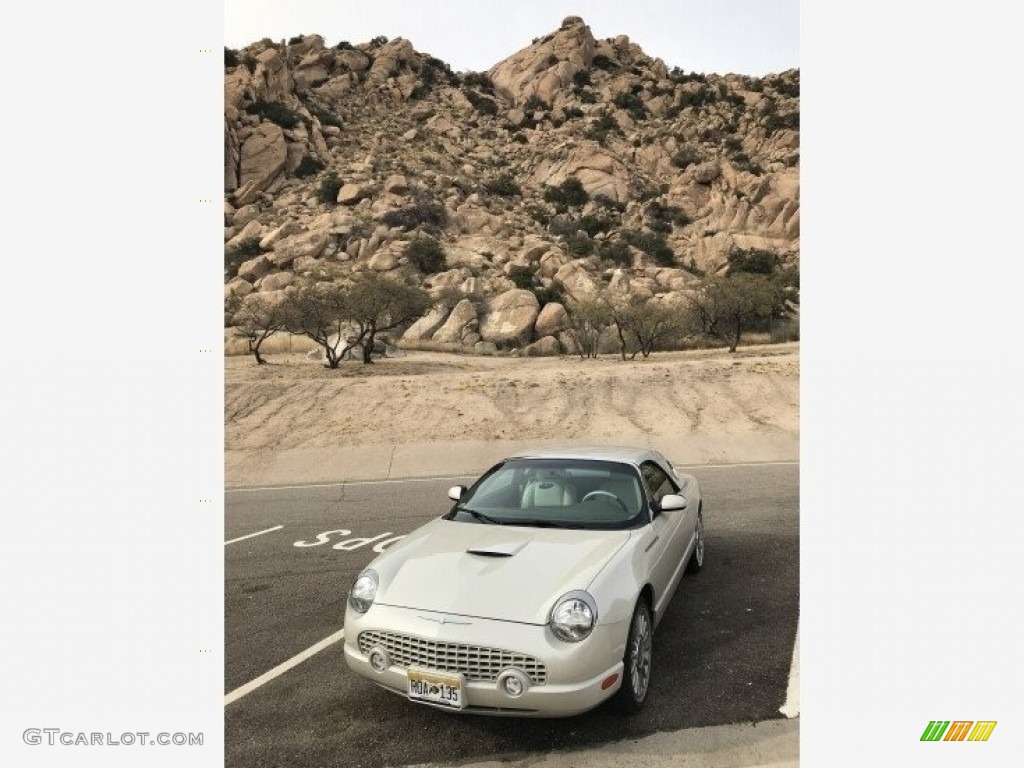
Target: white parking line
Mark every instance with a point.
(280, 669)
(250, 535)
(792, 706)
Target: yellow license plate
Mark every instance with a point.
(438, 688)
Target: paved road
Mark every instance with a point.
(722, 652)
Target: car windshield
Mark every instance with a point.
(555, 493)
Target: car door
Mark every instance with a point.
(666, 562)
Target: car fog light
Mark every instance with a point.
(513, 682)
(379, 659)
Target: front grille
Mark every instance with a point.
(473, 661)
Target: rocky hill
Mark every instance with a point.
(572, 166)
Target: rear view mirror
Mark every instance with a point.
(672, 501)
(456, 491)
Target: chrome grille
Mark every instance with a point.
(473, 661)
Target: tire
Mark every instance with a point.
(636, 673)
(697, 556)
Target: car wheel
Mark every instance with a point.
(636, 673)
(697, 556)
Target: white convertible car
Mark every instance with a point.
(538, 592)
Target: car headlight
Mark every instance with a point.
(574, 616)
(363, 591)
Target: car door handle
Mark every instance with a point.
(653, 542)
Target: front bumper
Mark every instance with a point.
(576, 672)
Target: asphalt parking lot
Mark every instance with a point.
(722, 653)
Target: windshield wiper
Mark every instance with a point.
(480, 516)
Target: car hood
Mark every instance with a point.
(509, 573)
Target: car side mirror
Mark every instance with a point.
(456, 491)
(672, 501)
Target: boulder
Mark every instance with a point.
(308, 244)
(552, 319)
(509, 317)
(350, 193)
(277, 282)
(461, 321)
(396, 184)
(547, 346)
(287, 229)
(253, 269)
(263, 156)
(427, 325)
(576, 279)
(485, 348)
(249, 231)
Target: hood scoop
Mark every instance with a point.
(499, 549)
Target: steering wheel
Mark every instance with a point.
(609, 494)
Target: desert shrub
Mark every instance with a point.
(789, 88)
(309, 166)
(633, 104)
(275, 112)
(587, 96)
(733, 143)
(230, 58)
(578, 244)
(521, 277)
(536, 104)
(553, 293)
(378, 41)
(741, 162)
(479, 80)
(603, 62)
(653, 244)
(519, 138)
(329, 187)
(295, 40)
(757, 261)
(485, 105)
(581, 79)
(538, 214)
(344, 45)
(608, 203)
(616, 252)
(571, 113)
(570, 193)
(422, 212)
(686, 156)
(661, 217)
(594, 225)
(776, 122)
(426, 254)
(601, 128)
(504, 185)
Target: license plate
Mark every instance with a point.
(436, 688)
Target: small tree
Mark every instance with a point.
(643, 324)
(257, 317)
(725, 306)
(319, 312)
(588, 318)
(376, 303)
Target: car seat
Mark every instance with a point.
(548, 492)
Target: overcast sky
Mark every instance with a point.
(751, 37)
